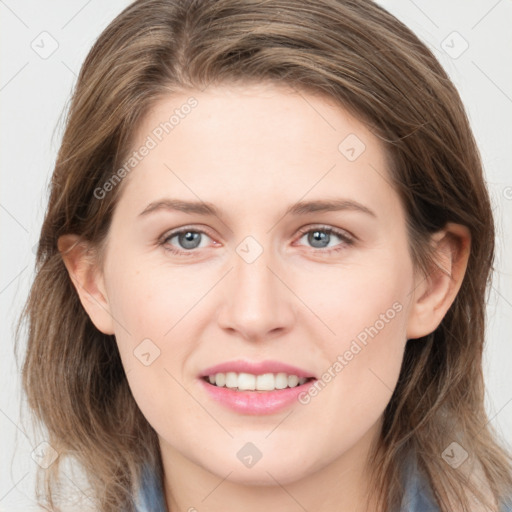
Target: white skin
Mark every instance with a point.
(252, 152)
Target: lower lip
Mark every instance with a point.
(256, 402)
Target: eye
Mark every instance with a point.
(187, 240)
(321, 236)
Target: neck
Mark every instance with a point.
(340, 484)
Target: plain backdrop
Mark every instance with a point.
(43, 45)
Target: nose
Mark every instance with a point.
(256, 300)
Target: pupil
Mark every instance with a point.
(189, 239)
(318, 236)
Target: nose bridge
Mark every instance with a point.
(256, 301)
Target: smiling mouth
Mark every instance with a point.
(258, 383)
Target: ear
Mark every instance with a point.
(88, 280)
(434, 294)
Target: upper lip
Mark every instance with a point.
(256, 368)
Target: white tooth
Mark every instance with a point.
(246, 381)
(266, 382)
(231, 380)
(281, 381)
(220, 379)
(293, 380)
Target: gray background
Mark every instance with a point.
(42, 47)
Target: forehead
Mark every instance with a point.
(254, 144)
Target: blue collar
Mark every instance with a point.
(418, 494)
(151, 495)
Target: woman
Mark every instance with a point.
(262, 273)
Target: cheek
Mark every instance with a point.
(157, 326)
(366, 308)
(150, 300)
(360, 301)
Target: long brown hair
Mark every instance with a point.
(353, 52)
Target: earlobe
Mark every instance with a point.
(434, 294)
(87, 280)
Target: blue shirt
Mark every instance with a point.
(417, 497)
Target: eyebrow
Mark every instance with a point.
(300, 208)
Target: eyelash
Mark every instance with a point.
(347, 240)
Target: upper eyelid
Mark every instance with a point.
(322, 227)
(177, 231)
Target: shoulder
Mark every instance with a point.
(418, 495)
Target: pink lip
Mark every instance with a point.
(256, 402)
(258, 368)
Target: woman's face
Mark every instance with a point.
(256, 289)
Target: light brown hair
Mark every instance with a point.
(353, 52)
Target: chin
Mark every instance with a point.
(263, 473)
